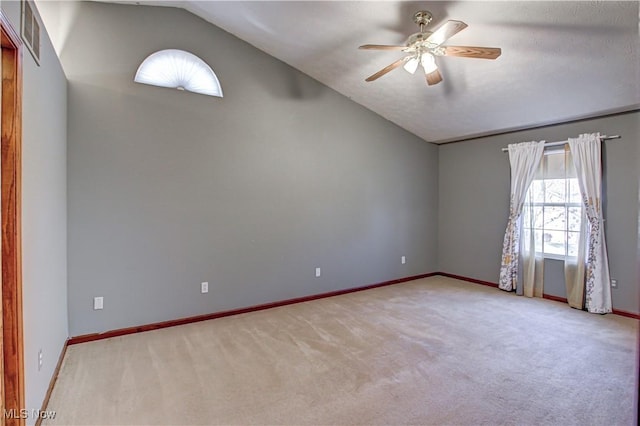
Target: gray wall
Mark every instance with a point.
(250, 192)
(474, 200)
(44, 213)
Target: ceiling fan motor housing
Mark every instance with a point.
(418, 38)
(422, 17)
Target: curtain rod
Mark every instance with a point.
(602, 138)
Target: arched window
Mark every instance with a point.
(180, 70)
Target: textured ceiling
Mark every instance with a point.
(560, 60)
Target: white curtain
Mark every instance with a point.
(586, 152)
(574, 263)
(531, 250)
(524, 159)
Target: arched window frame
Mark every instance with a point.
(178, 69)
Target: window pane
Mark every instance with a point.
(554, 242)
(525, 235)
(537, 191)
(537, 217)
(531, 216)
(572, 242)
(574, 191)
(554, 190)
(525, 217)
(538, 237)
(554, 218)
(574, 216)
(178, 69)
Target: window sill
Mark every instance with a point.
(559, 257)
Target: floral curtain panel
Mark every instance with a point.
(586, 152)
(524, 159)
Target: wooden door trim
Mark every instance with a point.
(10, 207)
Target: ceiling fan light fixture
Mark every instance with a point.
(412, 65)
(428, 62)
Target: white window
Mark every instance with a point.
(553, 208)
(178, 69)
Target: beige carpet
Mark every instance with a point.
(432, 351)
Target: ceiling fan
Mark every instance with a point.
(424, 46)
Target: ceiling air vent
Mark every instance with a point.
(31, 29)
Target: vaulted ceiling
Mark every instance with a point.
(560, 60)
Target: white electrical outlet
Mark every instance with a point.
(40, 359)
(403, 260)
(318, 272)
(98, 303)
(614, 283)
(204, 287)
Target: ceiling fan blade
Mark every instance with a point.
(473, 52)
(386, 69)
(446, 30)
(434, 78)
(381, 47)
